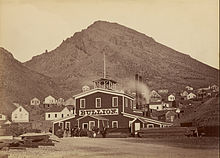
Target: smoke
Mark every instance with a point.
(140, 88)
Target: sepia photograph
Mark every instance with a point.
(109, 79)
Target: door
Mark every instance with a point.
(91, 125)
(137, 126)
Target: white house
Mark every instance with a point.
(57, 113)
(184, 94)
(60, 101)
(35, 101)
(20, 114)
(155, 97)
(156, 106)
(189, 88)
(171, 97)
(3, 117)
(50, 100)
(190, 96)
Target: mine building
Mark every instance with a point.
(105, 107)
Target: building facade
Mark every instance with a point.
(104, 107)
(35, 101)
(20, 114)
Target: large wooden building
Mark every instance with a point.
(104, 106)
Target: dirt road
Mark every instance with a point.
(111, 148)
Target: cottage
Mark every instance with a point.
(170, 116)
(156, 106)
(214, 88)
(184, 94)
(57, 112)
(50, 100)
(104, 106)
(191, 96)
(171, 97)
(60, 101)
(20, 114)
(155, 97)
(189, 88)
(3, 117)
(35, 101)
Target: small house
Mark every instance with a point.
(155, 97)
(20, 114)
(50, 100)
(184, 94)
(56, 113)
(60, 101)
(170, 116)
(171, 97)
(3, 117)
(156, 106)
(35, 101)
(191, 96)
(189, 88)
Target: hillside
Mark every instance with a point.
(20, 84)
(206, 113)
(79, 60)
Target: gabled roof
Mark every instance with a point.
(92, 91)
(146, 119)
(65, 118)
(55, 109)
(155, 103)
(95, 117)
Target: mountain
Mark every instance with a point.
(19, 84)
(78, 60)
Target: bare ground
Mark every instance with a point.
(123, 147)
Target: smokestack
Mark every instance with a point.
(136, 90)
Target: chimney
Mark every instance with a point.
(136, 90)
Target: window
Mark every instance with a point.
(55, 115)
(62, 115)
(131, 104)
(91, 125)
(98, 102)
(67, 125)
(126, 102)
(150, 126)
(20, 109)
(61, 125)
(82, 103)
(114, 124)
(85, 126)
(1, 116)
(48, 115)
(114, 101)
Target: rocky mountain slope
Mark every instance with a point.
(79, 60)
(20, 84)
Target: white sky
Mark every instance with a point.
(29, 27)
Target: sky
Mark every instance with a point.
(29, 27)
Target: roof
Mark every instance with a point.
(94, 116)
(92, 91)
(146, 119)
(104, 79)
(155, 103)
(65, 118)
(55, 109)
